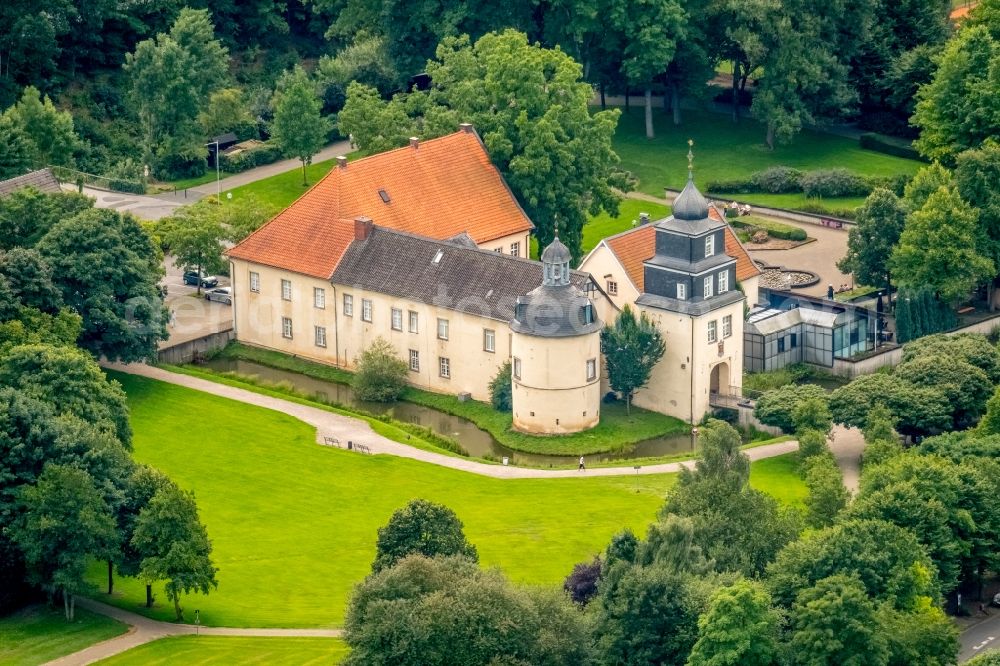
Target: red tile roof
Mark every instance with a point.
(635, 246)
(442, 188)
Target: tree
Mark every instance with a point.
(27, 214)
(653, 29)
(15, 158)
(107, 269)
(921, 635)
(887, 559)
(965, 386)
(65, 522)
(581, 584)
(449, 611)
(31, 279)
(500, 389)
(746, 40)
(977, 176)
(719, 457)
(299, 128)
(142, 485)
(920, 410)
(421, 528)
(739, 628)
(632, 348)
(827, 494)
(812, 414)
(196, 237)
(990, 423)
(173, 545)
(49, 132)
(380, 374)
(812, 443)
(777, 406)
(547, 129)
(227, 111)
(834, 622)
(955, 111)
(972, 348)
(880, 221)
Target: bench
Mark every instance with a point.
(966, 310)
(331, 441)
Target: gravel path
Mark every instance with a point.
(346, 428)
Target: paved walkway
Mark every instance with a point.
(144, 630)
(847, 445)
(142, 206)
(346, 429)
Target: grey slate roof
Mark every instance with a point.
(694, 268)
(555, 311)
(42, 180)
(693, 308)
(465, 279)
(690, 204)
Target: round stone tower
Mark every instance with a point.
(556, 353)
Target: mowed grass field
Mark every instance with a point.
(37, 634)
(294, 524)
(228, 650)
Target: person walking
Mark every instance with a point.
(582, 467)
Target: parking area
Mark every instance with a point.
(192, 315)
(820, 257)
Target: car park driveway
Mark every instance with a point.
(193, 316)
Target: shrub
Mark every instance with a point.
(811, 444)
(889, 145)
(421, 528)
(826, 211)
(834, 183)
(775, 229)
(777, 180)
(582, 582)
(878, 451)
(248, 159)
(500, 389)
(776, 407)
(827, 494)
(381, 374)
(174, 167)
(729, 186)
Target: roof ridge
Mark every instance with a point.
(408, 146)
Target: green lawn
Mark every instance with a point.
(603, 225)
(281, 190)
(293, 524)
(38, 634)
(226, 650)
(727, 151)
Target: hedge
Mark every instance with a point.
(248, 159)
(775, 229)
(814, 184)
(889, 145)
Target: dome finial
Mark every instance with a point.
(690, 159)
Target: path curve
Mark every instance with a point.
(145, 630)
(346, 428)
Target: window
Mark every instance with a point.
(320, 334)
(254, 281)
(794, 340)
(516, 370)
(286, 328)
(498, 250)
(515, 249)
(366, 309)
(348, 305)
(442, 329)
(588, 313)
(727, 326)
(612, 288)
(723, 282)
(708, 287)
(681, 291)
(397, 319)
(444, 367)
(712, 332)
(781, 345)
(413, 322)
(591, 369)
(319, 298)
(414, 360)
(489, 340)
(709, 246)
(286, 290)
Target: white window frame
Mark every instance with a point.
(612, 288)
(516, 368)
(444, 367)
(348, 305)
(414, 360)
(286, 290)
(591, 369)
(319, 335)
(255, 282)
(286, 327)
(442, 329)
(489, 340)
(396, 319)
(708, 289)
(713, 331)
(682, 291)
(319, 298)
(366, 310)
(709, 246)
(413, 321)
(727, 326)
(723, 281)
(515, 249)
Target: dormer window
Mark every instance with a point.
(709, 246)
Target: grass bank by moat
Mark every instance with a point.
(293, 524)
(617, 430)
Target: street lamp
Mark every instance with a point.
(218, 180)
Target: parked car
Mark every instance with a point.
(220, 295)
(191, 277)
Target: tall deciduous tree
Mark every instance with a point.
(827, 494)
(870, 242)
(299, 127)
(49, 132)
(739, 627)
(938, 248)
(15, 158)
(747, 37)
(632, 347)
(421, 528)
(196, 238)
(173, 545)
(977, 175)
(65, 522)
(920, 410)
(834, 622)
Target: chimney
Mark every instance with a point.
(466, 127)
(643, 218)
(414, 142)
(341, 161)
(362, 227)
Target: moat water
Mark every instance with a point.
(477, 442)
